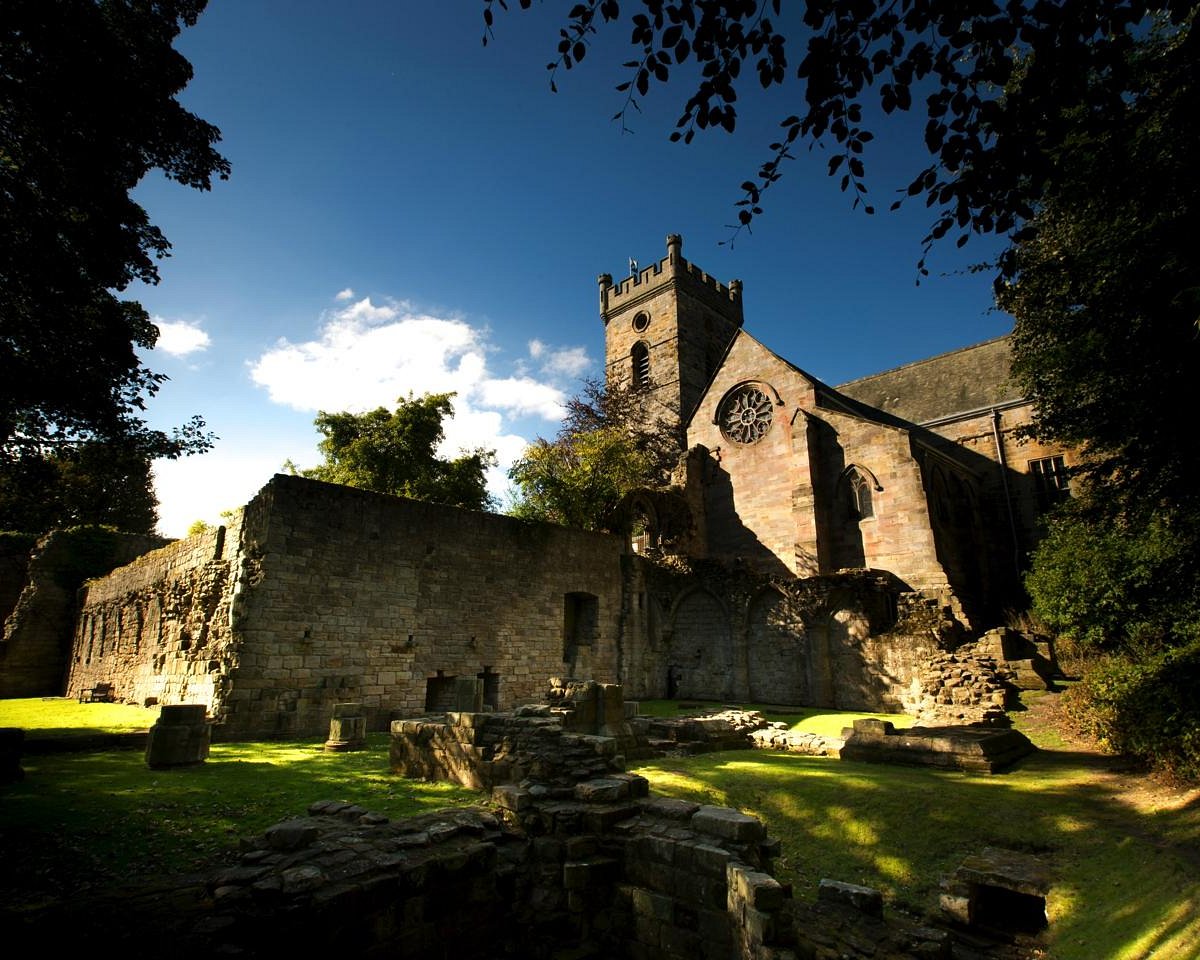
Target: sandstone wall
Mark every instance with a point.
(36, 642)
(158, 629)
(349, 595)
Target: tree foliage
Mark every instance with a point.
(96, 483)
(395, 452)
(1106, 584)
(1106, 291)
(87, 108)
(608, 445)
(991, 143)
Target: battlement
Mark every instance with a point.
(619, 296)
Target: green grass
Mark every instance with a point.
(1126, 882)
(63, 716)
(86, 819)
(1126, 866)
(828, 723)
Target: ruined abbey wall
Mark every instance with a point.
(158, 629)
(350, 595)
(316, 594)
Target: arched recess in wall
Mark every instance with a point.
(777, 650)
(858, 491)
(700, 651)
(639, 358)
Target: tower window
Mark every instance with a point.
(641, 321)
(641, 366)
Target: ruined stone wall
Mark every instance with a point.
(158, 629)
(701, 630)
(36, 644)
(15, 549)
(350, 595)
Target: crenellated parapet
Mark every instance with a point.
(672, 271)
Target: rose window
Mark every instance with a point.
(746, 415)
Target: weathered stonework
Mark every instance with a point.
(922, 471)
(35, 635)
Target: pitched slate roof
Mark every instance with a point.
(972, 378)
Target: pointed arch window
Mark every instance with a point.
(640, 355)
(862, 504)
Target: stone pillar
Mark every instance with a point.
(179, 737)
(347, 729)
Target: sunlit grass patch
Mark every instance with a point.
(64, 716)
(826, 723)
(1120, 887)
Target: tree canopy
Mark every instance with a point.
(395, 452)
(992, 143)
(95, 483)
(607, 447)
(88, 107)
(1106, 291)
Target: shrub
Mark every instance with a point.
(1145, 709)
(1111, 583)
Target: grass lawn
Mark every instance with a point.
(65, 717)
(1127, 862)
(83, 820)
(1126, 855)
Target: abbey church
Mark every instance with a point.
(919, 471)
(818, 546)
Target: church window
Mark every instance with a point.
(746, 414)
(860, 496)
(641, 321)
(1051, 481)
(641, 366)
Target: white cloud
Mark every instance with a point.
(523, 397)
(180, 337)
(345, 294)
(536, 348)
(567, 362)
(365, 355)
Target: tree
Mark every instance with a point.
(87, 108)
(1106, 290)
(95, 483)
(607, 447)
(992, 144)
(395, 452)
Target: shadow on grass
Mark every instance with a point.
(80, 821)
(1122, 888)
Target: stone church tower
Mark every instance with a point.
(667, 326)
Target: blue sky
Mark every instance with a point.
(412, 211)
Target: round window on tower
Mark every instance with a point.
(746, 414)
(641, 321)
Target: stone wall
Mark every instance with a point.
(350, 595)
(705, 631)
(317, 594)
(36, 636)
(158, 629)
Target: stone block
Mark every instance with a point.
(864, 899)
(727, 824)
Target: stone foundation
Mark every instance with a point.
(978, 749)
